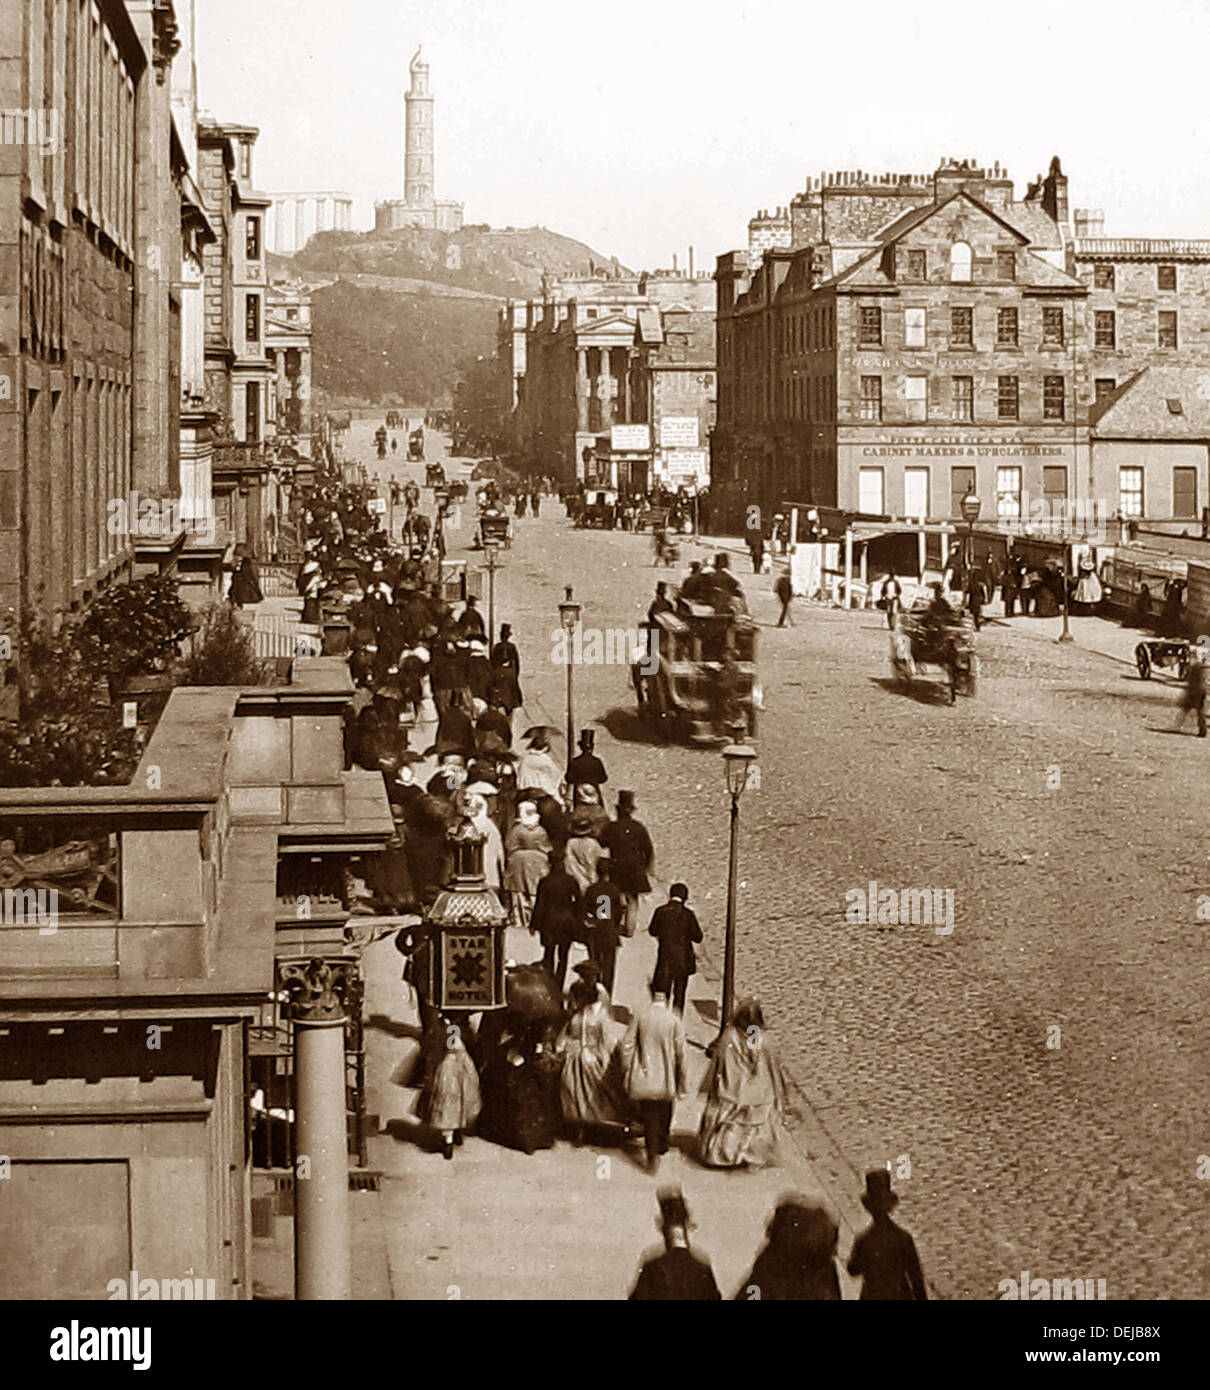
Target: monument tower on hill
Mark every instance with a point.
(419, 207)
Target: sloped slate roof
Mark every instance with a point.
(1140, 409)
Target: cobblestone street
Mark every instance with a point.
(1075, 909)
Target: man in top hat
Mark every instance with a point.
(696, 587)
(470, 622)
(677, 1275)
(653, 1065)
(632, 856)
(676, 928)
(586, 767)
(884, 1255)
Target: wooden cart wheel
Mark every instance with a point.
(1142, 659)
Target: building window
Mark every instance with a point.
(252, 412)
(1007, 325)
(962, 327)
(913, 328)
(869, 491)
(1165, 277)
(1102, 277)
(252, 318)
(917, 265)
(1052, 327)
(916, 493)
(1103, 386)
(1008, 494)
(1008, 398)
(1106, 328)
(962, 481)
(871, 398)
(1054, 489)
(1184, 493)
(1130, 491)
(1054, 392)
(292, 314)
(1006, 265)
(869, 333)
(964, 398)
(252, 245)
(915, 395)
(960, 262)
(1167, 328)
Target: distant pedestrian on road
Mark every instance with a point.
(784, 589)
(451, 1101)
(884, 1255)
(653, 1061)
(678, 1275)
(891, 596)
(676, 928)
(1197, 685)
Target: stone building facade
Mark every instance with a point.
(89, 310)
(922, 335)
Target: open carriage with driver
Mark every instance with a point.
(697, 674)
(936, 635)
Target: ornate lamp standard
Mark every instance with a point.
(569, 620)
(737, 760)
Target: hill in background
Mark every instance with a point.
(400, 317)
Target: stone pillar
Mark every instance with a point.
(606, 379)
(323, 214)
(318, 990)
(300, 232)
(583, 387)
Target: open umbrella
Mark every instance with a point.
(534, 730)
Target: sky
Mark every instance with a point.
(644, 127)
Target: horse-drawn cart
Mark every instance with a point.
(697, 675)
(924, 637)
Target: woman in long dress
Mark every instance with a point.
(451, 1101)
(745, 1095)
(527, 849)
(589, 1085)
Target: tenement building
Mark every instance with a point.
(919, 336)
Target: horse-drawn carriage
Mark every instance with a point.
(1163, 652)
(380, 441)
(416, 445)
(394, 420)
(600, 509)
(434, 475)
(457, 490)
(697, 675)
(493, 527)
(926, 636)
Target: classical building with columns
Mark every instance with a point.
(419, 207)
(599, 362)
(293, 218)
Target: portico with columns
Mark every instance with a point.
(295, 217)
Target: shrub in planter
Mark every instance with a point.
(222, 652)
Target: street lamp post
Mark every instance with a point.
(970, 514)
(737, 759)
(492, 549)
(569, 619)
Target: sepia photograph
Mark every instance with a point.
(604, 645)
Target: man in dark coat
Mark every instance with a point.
(556, 918)
(632, 856)
(455, 731)
(493, 720)
(678, 1275)
(676, 928)
(505, 686)
(604, 913)
(470, 622)
(884, 1255)
(586, 767)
